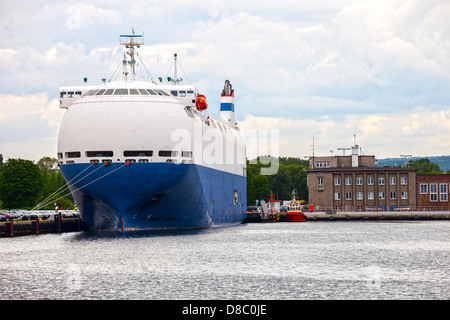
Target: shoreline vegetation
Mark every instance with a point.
(24, 184)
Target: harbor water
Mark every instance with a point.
(269, 261)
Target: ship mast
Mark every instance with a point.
(175, 79)
(130, 41)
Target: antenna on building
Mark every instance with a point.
(406, 156)
(313, 155)
(343, 149)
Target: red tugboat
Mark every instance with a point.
(294, 210)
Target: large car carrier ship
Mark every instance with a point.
(143, 155)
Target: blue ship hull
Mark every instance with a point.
(152, 196)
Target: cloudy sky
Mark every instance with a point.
(322, 69)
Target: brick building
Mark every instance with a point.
(354, 183)
(433, 191)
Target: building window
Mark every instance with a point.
(423, 188)
(381, 195)
(348, 196)
(370, 181)
(348, 181)
(370, 195)
(404, 195)
(443, 192)
(337, 181)
(320, 183)
(433, 192)
(404, 180)
(393, 195)
(325, 164)
(381, 181)
(337, 196)
(359, 196)
(359, 181)
(392, 181)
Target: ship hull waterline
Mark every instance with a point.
(155, 196)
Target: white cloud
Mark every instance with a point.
(28, 118)
(331, 68)
(419, 132)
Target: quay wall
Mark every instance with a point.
(16, 223)
(384, 215)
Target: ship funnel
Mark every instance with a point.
(227, 104)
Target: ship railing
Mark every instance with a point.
(215, 118)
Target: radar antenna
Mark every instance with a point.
(130, 41)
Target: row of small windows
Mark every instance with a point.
(123, 91)
(370, 181)
(126, 153)
(443, 191)
(325, 164)
(183, 93)
(371, 195)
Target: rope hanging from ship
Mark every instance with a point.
(68, 185)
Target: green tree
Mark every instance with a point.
(20, 183)
(54, 187)
(425, 166)
(46, 164)
(291, 175)
(251, 192)
(261, 184)
(281, 183)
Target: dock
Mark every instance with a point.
(21, 222)
(362, 216)
(382, 215)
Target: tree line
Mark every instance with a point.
(24, 184)
(291, 175)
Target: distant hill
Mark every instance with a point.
(442, 161)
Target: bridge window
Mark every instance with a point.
(161, 93)
(121, 92)
(143, 92)
(134, 91)
(109, 92)
(100, 92)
